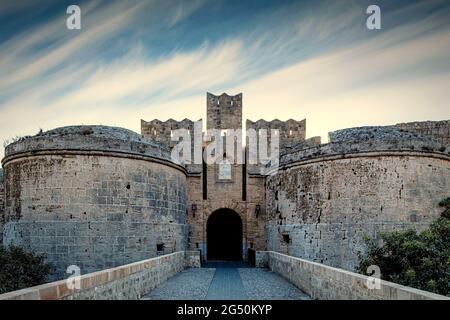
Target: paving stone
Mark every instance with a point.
(189, 284)
(226, 282)
(263, 284)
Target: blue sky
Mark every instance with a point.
(157, 59)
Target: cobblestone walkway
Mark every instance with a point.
(226, 282)
(263, 284)
(189, 284)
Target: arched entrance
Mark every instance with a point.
(224, 235)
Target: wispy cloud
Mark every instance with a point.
(104, 26)
(184, 10)
(319, 63)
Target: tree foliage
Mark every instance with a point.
(20, 269)
(419, 260)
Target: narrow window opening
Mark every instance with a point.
(205, 177)
(244, 177)
(286, 238)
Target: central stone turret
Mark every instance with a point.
(224, 111)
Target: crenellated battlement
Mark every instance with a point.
(161, 131)
(224, 111)
(290, 131)
(436, 130)
(288, 194)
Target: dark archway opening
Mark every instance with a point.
(224, 236)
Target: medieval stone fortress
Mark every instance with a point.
(101, 197)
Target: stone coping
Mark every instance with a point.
(294, 160)
(89, 137)
(354, 281)
(59, 290)
(363, 140)
(101, 153)
(373, 133)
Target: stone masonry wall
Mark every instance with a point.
(319, 209)
(2, 205)
(224, 111)
(290, 131)
(437, 130)
(227, 195)
(256, 222)
(162, 133)
(326, 283)
(125, 282)
(95, 137)
(95, 212)
(364, 140)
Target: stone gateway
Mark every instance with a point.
(99, 197)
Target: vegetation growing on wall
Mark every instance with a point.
(20, 269)
(419, 260)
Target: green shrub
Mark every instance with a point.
(20, 269)
(419, 260)
(446, 204)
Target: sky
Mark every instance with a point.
(147, 59)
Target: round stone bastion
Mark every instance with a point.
(324, 200)
(94, 197)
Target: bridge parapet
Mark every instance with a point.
(129, 281)
(327, 283)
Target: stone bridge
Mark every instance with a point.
(226, 281)
(177, 276)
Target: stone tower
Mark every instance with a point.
(224, 111)
(99, 197)
(224, 202)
